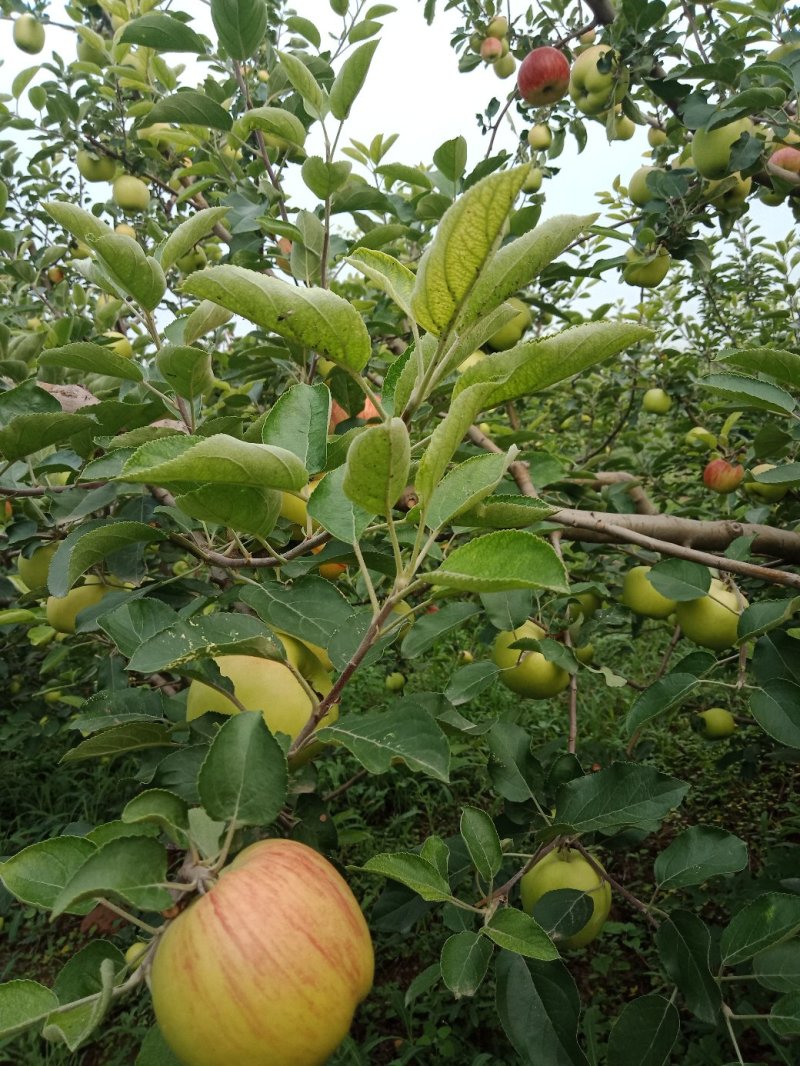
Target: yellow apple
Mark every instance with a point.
(567, 868)
(62, 611)
(527, 672)
(33, 569)
(712, 620)
(508, 335)
(642, 597)
(131, 194)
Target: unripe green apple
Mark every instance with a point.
(656, 402)
(567, 868)
(585, 654)
(527, 672)
(593, 90)
(87, 53)
(584, 605)
(642, 597)
(646, 272)
(508, 335)
(505, 66)
(717, 723)
(395, 682)
(33, 569)
(119, 344)
(130, 194)
(656, 136)
(533, 182)
(698, 437)
(135, 953)
(472, 360)
(624, 128)
(729, 193)
(540, 137)
(62, 611)
(28, 34)
(712, 620)
(711, 150)
(475, 42)
(639, 191)
(124, 230)
(768, 492)
(498, 27)
(268, 966)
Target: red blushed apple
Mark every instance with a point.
(787, 159)
(491, 49)
(338, 414)
(721, 476)
(543, 76)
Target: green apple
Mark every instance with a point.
(533, 182)
(567, 868)
(698, 437)
(583, 605)
(592, 89)
(395, 682)
(585, 654)
(505, 66)
(498, 27)
(768, 492)
(656, 402)
(730, 192)
(712, 620)
(656, 136)
(539, 137)
(124, 230)
(88, 53)
(119, 344)
(33, 569)
(711, 150)
(131, 194)
(62, 611)
(639, 191)
(646, 272)
(470, 361)
(527, 672)
(717, 723)
(508, 335)
(642, 597)
(623, 129)
(28, 34)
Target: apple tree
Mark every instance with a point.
(249, 449)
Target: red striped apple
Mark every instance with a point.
(543, 76)
(268, 967)
(721, 476)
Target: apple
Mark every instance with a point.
(120, 344)
(721, 476)
(130, 194)
(711, 150)
(656, 402)
(505, 66)
(583, 605)
(539, 137)
(543, 76)
(194, 260)
(28, 34)
(642, 597)
(729, 193)
(698, 437)
(88, 53)
(330, 571)
(268, 966)
(527, 672)
(567, 868)
(508, 335)
(265, 685)
(33, 569)
(585, 654)
(656, 136)
(533, 182)
(787, 159)
(475, 42)
(768, 492)
(62, 611)
(94, 167)
(717, 723)
(465, 656)
(646, 272)
(338, 414)
(395, 682)
(470, 361)
(492, 49)
(124, 230)
(498, 27)
(624, 128)
(639, 191)
(135, 953)
(587, 38)
(594, 90)
(712, 620)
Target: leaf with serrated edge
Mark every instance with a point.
(205, 318)
(410, 870)
(618, 796)
(483, 843)
(329, 506)
(38, 873)
(516, 931)
(83, 549)
(396, 280)
(137, 274)
(464, 962)
(243, 778)
(698, 853)
(22, 1005)
(447, 436)
(378, 737)
(465, 486)
(785, 366)
(496, 562)
(185, 236)
(298, 422)
(378, 465)
(348, 82)
(760, 924)
(312, 317)
(93, 359)
(128, 868)
(163, 808)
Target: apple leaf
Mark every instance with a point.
(303, 81)
(244, 776)
(131, 736)
(468, 235)
(37, 874)
(644, 1033)
(760, 924)
(131, 869)
(89, 545)
(312, 317)
(507, 512)
(506, 559)
(396, 280)
(776, 708)
(185, 236)
(684, 946)
(447, 436)
(240, 25)
(329, 506)
(205, 318)
(298, 422)
(378, 465)
(658, 698)
(162, 808)
(350, 80)
(778, 968)
(188, 107)
(378, 738)
(784, 366)
(91, 359)
(137, 274)
(413, 871)
(617, 797)
(465, 486)
(516, 931)
(483, 843)
(276, 122)
(245, 508)
(22, 1005)
(162, 32)
(698, 853)
(464, 961)
(81, 224)
(741, 390)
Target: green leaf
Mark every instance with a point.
(161, 808)
(563, 912)
(323, 179)
(91, 359)
(644, 1033)
(129, 625)
(784, 1018)
(465, 486)
(312, 317)
(538, 1006)
(658, 698)
(185, 236)
(506, 559)
(305, 28)
(182, 463)
(464, 962)
(427, 630)
(22, 1005)
(377, 738)
(785, 366)
(617, 797)
(203, 637)
(309, 609)
(514, 930)
(776, 708)
(306, 84)
(512, 767)
(361, 30)
(86, 547)
(135, 273)
(698, 853)
(516, 264)
(413, 176)
(329, 506)
(507, 512)
(28, 434)
(470, 681)
(81, 224)
(447, 436)
(535, 365)
(155, 1051)
(244, 508)
(188, 107)
(745, 391)
(130, 869)
(135, 736)
(680, 580)
(162, 32)
(283, 128)
(468, 234)
(37, 874)
(778, 968)
(243, 778)
(378, 465)
(240, 25)
(298, 423)
(92, 972)
(186, 370)
(411, 870)
(684, 945)
(350, 80)
(205, 318)
(451, 158)
(483, 843)
(759, 925)
(396, 280)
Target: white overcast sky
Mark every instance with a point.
(414, 89)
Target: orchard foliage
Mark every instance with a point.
(231, 426)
